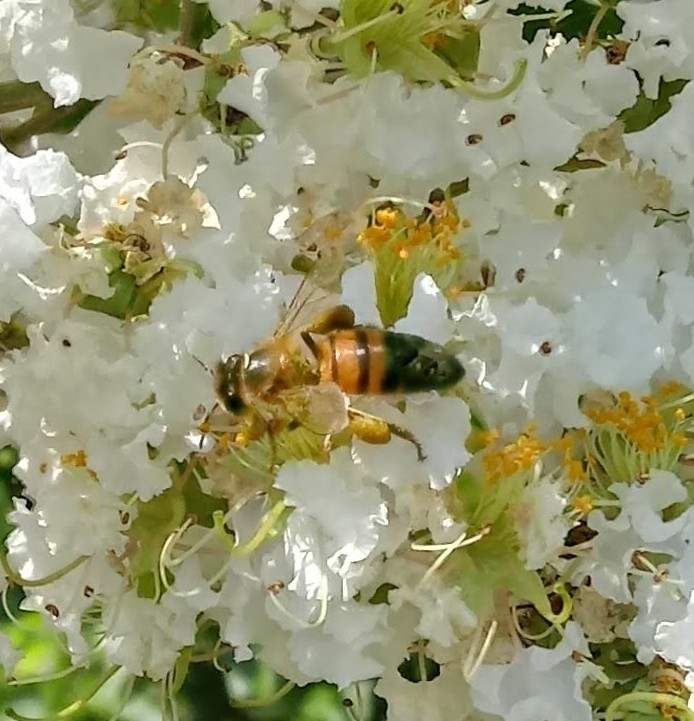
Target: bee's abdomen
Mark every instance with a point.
(370, 361)
(355, 359)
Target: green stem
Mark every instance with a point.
(593, 29)
(16, 95)
(189, 22)
(58, 120)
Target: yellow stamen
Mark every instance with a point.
(583, 504)
(78, 460)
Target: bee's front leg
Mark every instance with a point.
(372, 429)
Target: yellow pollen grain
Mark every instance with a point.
(333, 233)
(455, 291)
(490, 436)
(680, 415)
(516, 457)
(374, 236)
(583, 504)
(672, 388)
(575, 472)
(79, 459)
(403, 254)
(242, 439)
(679, 440)
(225, 440)
(387, 217)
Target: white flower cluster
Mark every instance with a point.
(515, 189)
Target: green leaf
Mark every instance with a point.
(575, 25)
(646, 111)
(380, 595)
(575, 164)
(158, 15)
(8, 459)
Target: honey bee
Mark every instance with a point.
(304, 377)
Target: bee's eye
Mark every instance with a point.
(233, 403)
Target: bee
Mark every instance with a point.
(304, 377)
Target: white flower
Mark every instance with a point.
(644, 505)
(539, 684)
(440, 425)
(673, 639)
(658, 603)
(145, 637)
(345, 650)
(19, 249)
(349, 515)
(444, 698)
(155, 90)
(639, 526)
(70, 61)
(662, 42)
(669, 141)
(247, 92)
(616, 340)
(540, 523)
(444, 614)
(590, 93)
(524, 244)
(40, 188)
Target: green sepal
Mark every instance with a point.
(266, 22)
(181, 669)
(117, 305)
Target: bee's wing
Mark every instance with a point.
(318, 290)
(336, 229)
(321, 408)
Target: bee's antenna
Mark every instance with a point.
(206, 418)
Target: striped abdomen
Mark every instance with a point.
(368, 361)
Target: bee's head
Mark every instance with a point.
(228, 376)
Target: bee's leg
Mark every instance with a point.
(269, 426)
(372, 429)
(272, 436)
(204, 425)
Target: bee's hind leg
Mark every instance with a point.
(372, 429)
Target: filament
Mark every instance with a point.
(266, 700)
(448, 549)
(13, 576)
(520, 67)
(322, 612)
(472, 666)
